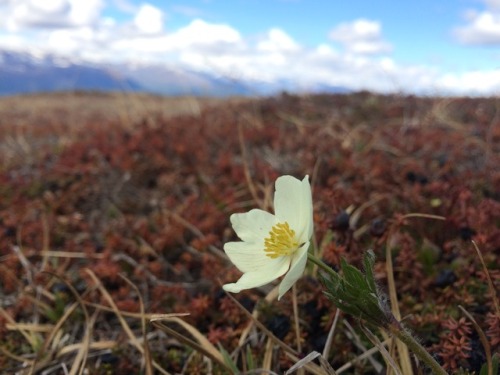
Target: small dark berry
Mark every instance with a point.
(247, 303)
(445, 278)
(152, 183)
(377, 227)
(109, 359)
(279, 325)
(10, 232)
(411, 177)
(340, 222)
(422, 180)
(466, 233)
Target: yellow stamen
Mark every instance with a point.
(281, 241)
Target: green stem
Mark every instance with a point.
(322, 265)
(397, 330)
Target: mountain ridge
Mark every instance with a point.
(33, 72)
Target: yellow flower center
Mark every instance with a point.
(281, 241)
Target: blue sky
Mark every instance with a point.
(435, 47)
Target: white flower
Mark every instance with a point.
(273, 245)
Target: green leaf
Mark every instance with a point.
(347, 308)
(354, 276)
(354, 294)
(330, 285)
(494, 363)
(250, 360)
(229, 361)
(369, 263)
(348, 293)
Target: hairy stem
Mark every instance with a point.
(403, 335)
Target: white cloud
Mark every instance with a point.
(39, 14)
(71, 40)
(23, 14)
(199, 40)
(48, 6)
(475, 82)
(277, 40)
(149, 19)
(85, 12)
(361, 36)
(482, 27)
(199, 32)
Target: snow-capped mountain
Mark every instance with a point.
(23, 72)
(29, 72)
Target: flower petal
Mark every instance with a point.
(247, 256)
(296, 269)
(253, 226)
(293, 204)
(265, 275)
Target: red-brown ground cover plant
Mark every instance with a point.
(103, 225)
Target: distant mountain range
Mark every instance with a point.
(24, 72)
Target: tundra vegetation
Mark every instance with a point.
(115, 208)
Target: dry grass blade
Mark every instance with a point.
(385, 354)
(309, 358)
(490, 283)
(100, 345)
(367, 354)
(267, 361)
(392, 243)
(351, 333)
(68, 311)
(147, 353)
(56, 329)
(15, 357)
(404, 354)
(290, 352)
(108, 297)
(80, 360)
(329, 339)
(326, 366)
(202, 345)
(31, 327)
(24, 262)
(60, 323)
(263, 328)
(128, 314)
(424, 216)
(356, 215)
(45, 240)
(482, 338)
(67, 254)
(271, 296)
(296, 317)
(135, 342)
